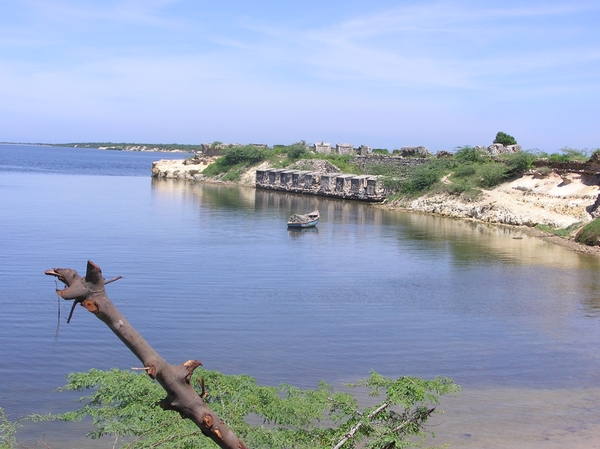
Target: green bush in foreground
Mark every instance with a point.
(8, 430)
(123, 404)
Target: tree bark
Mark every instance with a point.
(181, 396)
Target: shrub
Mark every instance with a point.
(297, 150)
(248, 154)
(543, 171)
(518, 163)
(8, 430)
(575, 154)
(462, 188)
(569, 154)
(491, 175)
(342, 161)
(423, 177)
(590, 234)
(469, 154)
(505, 139)
(464, 171)
(381, 151)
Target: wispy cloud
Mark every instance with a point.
(444, 57)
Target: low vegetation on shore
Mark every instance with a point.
(124, 406)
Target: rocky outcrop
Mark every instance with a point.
(496, 149)
(190, 169)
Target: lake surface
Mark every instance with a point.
(210, 272)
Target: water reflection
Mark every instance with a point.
(296, 233)
(469, 242)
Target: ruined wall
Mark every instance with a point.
(337, 185)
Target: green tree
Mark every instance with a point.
(123, 404)
(297, 150)
(505, 139)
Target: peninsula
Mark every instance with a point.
(550, 197)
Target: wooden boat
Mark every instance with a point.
(304, 221)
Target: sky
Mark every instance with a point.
(381, 73)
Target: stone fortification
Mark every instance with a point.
(337, 185)
(419, 151)
(590, 167)
(341, 148)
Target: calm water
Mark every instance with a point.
(211, 272)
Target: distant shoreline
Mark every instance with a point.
(108, 146)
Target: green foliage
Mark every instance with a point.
(518, 163)
(492, 174)
(468, 154)
(280, 149)
(247, 154)
(465, 171)
(590, 234)
(561, 232)
(569, 154)
(235, 158)
(505, 139)
(463, 188)
(124, 404)
(8, 431)
(422, 178)
(342, 161)
(383, 151)
(543, 171)
(297, 150)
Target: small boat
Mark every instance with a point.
(304, 221)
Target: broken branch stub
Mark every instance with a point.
(181, 396)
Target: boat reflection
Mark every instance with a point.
(298, 232)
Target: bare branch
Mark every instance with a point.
(175, 380)
(359, 424)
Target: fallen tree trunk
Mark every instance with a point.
(181, 396)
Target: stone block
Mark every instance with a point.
(344, 148)
(419, 151)
(323, 148)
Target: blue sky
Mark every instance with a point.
(382, 73)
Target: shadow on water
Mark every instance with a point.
(299, 233)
